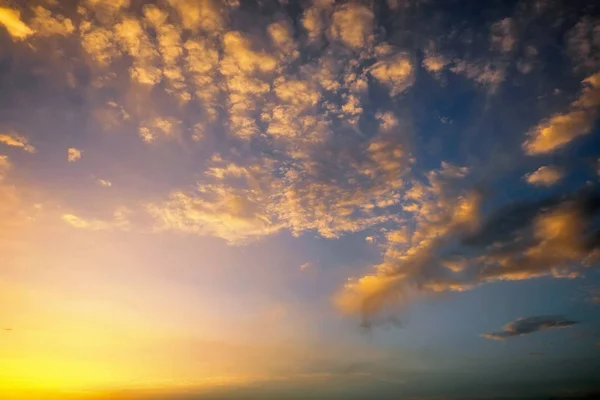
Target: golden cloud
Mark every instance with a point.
(352, 24)
(395, 71)
(45, 24)
(544, 176)
(134, 41)
(202, 15)
(14, 139)
(234, 215)
(11, 19)
(73, 154)
(561, 129)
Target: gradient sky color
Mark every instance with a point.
(315, 199)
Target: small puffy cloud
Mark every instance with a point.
(503, 35)
(204, 15)
(282, 36)
(11, 19)
(387, 121)
(104, 182)
(305, 266)
(394, 71)
(560, 129)
(73, 154)
(434, 63)
(525, 326)
(352, 24)
(544, 176)
(14, 139)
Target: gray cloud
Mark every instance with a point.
(525, 326)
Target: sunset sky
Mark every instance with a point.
(312, 199)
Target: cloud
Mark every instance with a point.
(46, 24)
(241, 66)
(451, 247)
(352, 24)
(134, 41)
(214, 210)
(73, 154)
(119, 221)
(103, 182)
(5, 166)
(305, 266)
(203, 15)
(583, 43)
(14, 139)
(503, 35)
(525, 326)
(394, 70)
(434, 63)
(544, 176)
(11, 19)
(560, 129)
(484, 73)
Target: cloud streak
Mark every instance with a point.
(526, 326)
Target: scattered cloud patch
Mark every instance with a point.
(73, 154)
(14, 139)
(525, 326)
(561, 129)
(544, 176)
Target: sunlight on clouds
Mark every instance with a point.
(5, 166)
(135, 41)
(231, 123)
(45, 24)
(11, 19)
(234, 215)
(561, 129)
(73, 154)
(395, 71)
(203, 14)
(13, 139)
(544, 176)
(353, 25)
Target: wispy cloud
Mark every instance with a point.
(14, 139)
(525, 326)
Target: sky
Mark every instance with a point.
(312, 199)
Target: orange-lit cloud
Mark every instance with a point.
(560, 129)
(73, 154)
(14, 139)
(544, 176)
(11, 19)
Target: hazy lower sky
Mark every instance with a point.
(313, 199)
